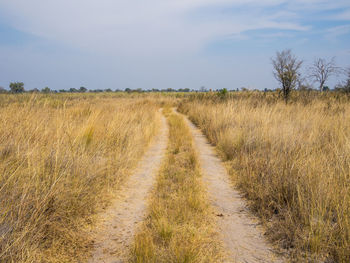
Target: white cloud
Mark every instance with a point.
(345, 15)
(136, 27)
(153, 25)
(146, 41)
(335, 32)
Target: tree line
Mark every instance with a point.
(18, 87)
(286, 70)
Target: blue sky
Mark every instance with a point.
(164, 43)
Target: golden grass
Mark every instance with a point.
(61, 157)
(179, 227)
(292, 161)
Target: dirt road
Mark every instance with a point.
(240, 231)
(121, 220)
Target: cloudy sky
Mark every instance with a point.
(163, 44)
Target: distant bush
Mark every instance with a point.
(2, 90)
(17, 87)
(46, 90)
(222, 93)
(82, 89)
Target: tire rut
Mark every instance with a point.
(240, 231)
(120, 221)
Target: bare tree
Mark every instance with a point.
(286, 71)
(322, 69)
(346, 86)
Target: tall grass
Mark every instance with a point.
(61, 157)
(179, 227)
(292, 161)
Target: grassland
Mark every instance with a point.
(291, 161)
(179, 227)
(61, 157)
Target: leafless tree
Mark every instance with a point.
(322, 69)
(286, 68)
(346, 85)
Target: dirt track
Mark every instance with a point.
(121, 219)
(240, 231)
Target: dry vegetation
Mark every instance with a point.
(179, 227)
(61, 156)
(292, 161)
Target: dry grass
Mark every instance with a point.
(292, 161)
(179, 227)
(61, 156)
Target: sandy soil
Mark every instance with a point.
(121, 220)
(241, 233)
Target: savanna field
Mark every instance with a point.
(60, 159)
(291, 161)
(65, 157)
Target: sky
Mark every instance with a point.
(161, 44)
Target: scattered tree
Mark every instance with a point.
(346, 85)
(322, 69)
(35, 90)
(73, 90)
(46, 90)
(286, 71)
(82, 89)
(184, 90)
(17, 87)
(2, 90)
(222, 93)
